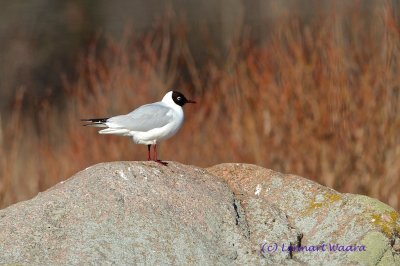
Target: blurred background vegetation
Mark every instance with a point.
(304, 87)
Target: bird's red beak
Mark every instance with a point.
(190, 101)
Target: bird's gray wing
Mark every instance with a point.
(144, 118)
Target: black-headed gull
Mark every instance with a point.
(149, 124)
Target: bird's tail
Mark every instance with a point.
(95, 122)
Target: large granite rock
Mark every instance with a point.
(145, 213)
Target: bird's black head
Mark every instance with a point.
(180, 99)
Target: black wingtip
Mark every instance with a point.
(95, 120)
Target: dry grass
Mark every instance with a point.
(318, 99)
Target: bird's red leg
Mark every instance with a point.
(155, 156)
(148, 153)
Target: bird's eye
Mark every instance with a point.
(179, 98)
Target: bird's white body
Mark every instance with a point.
(155, 135)
(148, 124)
